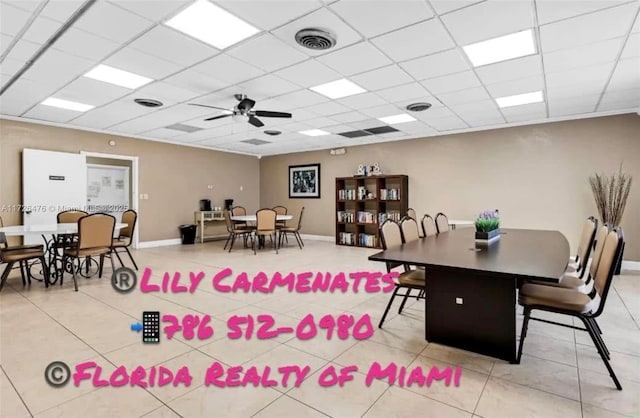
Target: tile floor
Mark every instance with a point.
(561, 374)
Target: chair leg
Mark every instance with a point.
(592, 333)
(386, 311)
(75, 274)
(227, 242)
(253, 243)
(275, 241)
(404, 300)
(5, 274)
(45, 271)
(598, 333)
(102, 264)
(22, 275)
(113, 267)
(523, 333)
(300, 238)
(131, 257)
(114, 251)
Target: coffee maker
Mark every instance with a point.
(228, 204)
(205, 205)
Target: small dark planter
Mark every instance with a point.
(487, 236)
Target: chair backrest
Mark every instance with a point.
(611, 253)
(429, 226)
(238, 211)
(70, 216)
(95, 231)
(596, 255)
(411, 213)
(1, 223)
(266, 220)
(300, 219)
(586, 240)
(409, 228)
(390, 234)
(130, 218)
(442, 223)
(227, 221)
(280, 210)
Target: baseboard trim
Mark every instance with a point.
(318, 237)
(160, 243)
(631, 265)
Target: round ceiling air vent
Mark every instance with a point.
(316, 39)
(272, 132)
(418, 107)
(148, 102)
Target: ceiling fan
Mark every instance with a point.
(245, 108)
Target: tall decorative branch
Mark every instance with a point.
(611, 193)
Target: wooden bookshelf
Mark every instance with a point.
(363, 203)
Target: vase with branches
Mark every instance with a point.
(611, 193)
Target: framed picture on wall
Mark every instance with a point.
(304, 181)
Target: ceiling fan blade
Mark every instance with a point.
(217, 117)
(255, 121)
(212, 107)
(269, 114)
(246, 104)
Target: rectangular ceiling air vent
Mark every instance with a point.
(184, 128)
(255, 141)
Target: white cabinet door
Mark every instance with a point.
(51, 182)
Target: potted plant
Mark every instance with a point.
(488, 226)
(611, 194)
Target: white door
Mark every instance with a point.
(51, 182)
(108, 189)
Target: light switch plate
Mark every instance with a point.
(459, 301)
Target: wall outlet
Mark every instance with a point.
(459, 301)
(241, 188)
(210, 186)
(145, 196)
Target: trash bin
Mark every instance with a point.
(188, 233)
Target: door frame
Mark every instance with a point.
(134, 184)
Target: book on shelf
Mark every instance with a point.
(347, 238)
(367, 240)
(383, 216)
(344, 216)
(347, 194)
(366, 218)
(390, 194)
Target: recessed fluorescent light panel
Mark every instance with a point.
(520, 99)
(118, 77)
(67, 104)
(401, 118)
(503, 48)
(314, 132)
(339, 88)
(211, 24)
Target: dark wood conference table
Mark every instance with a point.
(471, 288)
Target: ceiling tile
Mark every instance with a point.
(533, 111)
(320, 123)
(160, 90)
(582, 56)
(572, 105)
(583, 81)
(382, 111)
(360, 101)
(513, 87)
(26, 5)
(349, 117)
(433, 113)
(23, 51)
(322, 18)
(195, 81)
(452, 82)
(301, 98)
(442, 63)
(151, 9)
(475, 94)
(589, 28)
(93, 92)
(113, 113)
(22, 95)
(619, 96)
(636, 25)
(134, 61)
(476, 109)
(381, 78)
(57, 68)
(309, 74)
(355, 59)
(170, 45)
(510, 70)
(49, 113)
(267, 52)
(488, 20)
(626, 75)
(11, 66)
(550, 11)
(61, 11)
(12, 19)
(5, 41)
(112, 22)
(404, 92)
(85, 45)
(41, 29)
(268, 15)
(328, 109)
(448, 123)
(162, 133)
(415, 41)
(266, 86)
(372, 18)
(476, 121)
(226, 68)
(632, 47)
(444, 6)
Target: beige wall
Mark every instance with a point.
(536, 175)
(174, 177)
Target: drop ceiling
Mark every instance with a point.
(587, 63)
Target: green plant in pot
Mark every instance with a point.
(488, 226)
(611, 193)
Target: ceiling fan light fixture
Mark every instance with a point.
(316, 39)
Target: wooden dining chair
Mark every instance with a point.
(265, 226)
(391, 236)
(239, 211)
(22, 254)
(125, 237)
(234, 232)
(295, 231)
